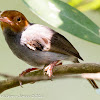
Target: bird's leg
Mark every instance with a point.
(25, 72)
(49, 69)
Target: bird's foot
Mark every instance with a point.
(25, 72)
(49, 68)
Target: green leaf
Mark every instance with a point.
(66, 18)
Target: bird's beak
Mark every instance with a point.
(5, 19)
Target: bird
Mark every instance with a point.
(36, 44)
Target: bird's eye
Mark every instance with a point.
(18, 19)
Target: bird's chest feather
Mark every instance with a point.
(32, 57)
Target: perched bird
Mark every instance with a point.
(36, 44)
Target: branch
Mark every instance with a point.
(58, 72)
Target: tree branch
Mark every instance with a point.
(58, 72)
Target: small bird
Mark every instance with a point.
(36, 44)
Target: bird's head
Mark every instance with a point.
(13, 20)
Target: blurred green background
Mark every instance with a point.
(70, 89)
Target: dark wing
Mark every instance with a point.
(61, 45)
(46, 39)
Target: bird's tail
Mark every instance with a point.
(91, 81)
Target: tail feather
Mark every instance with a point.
(91, 81)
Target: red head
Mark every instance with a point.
(14, 20)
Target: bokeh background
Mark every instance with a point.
(70, 89)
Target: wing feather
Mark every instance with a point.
(61, 45)
(45, 39)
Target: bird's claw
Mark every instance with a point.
(49, 69)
